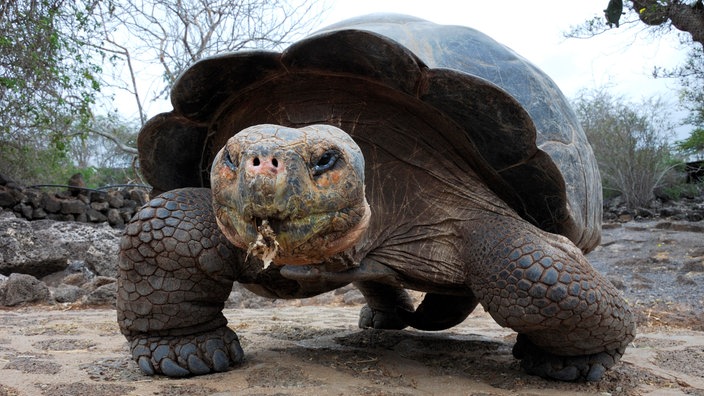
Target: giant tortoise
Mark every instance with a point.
(384, 151)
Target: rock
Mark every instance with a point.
(682, 227)
(687, 227)
(84, 198)
(76, 181)
(98, 282)
(670, 211)
(43, 247)
(94, 216)
(139, 196)
(67, 293)
(686, 280)
(38, 214)
(114, 207)
(80, 267)
(102, 257)
(98, 196)
(626, 217)
(130, 206)
(4, 180)
(694, 216)
(51, 203)
(100, 206)
(126, 213)
(60, 217)
(697, 252)
(26, 210)
(234, 300)
(114, 218)
(617, 282)
(105, 294)
(32, 198)
(21, 289)
(644, 213)
(655, 204)
(76, 273)
(242, 298)
(353, 297)
(115, 199)
(694, 265)
(76, 279)
(23, 251)
(73, 206)
(9, 197)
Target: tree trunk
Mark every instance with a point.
(688, 18)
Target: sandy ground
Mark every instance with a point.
(318, 350)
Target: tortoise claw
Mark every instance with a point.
(536, 361)
(181, 356)
(146, 365)
(172, 369)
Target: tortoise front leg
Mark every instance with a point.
(176, 270)
(572, 322)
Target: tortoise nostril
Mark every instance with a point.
(255, 162)
(275, 162)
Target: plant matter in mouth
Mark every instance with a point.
(265, 247)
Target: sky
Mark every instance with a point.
(620, 59)
(623, 58)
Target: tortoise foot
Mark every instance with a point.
(370, 318)
(537, 361)
(181, 356)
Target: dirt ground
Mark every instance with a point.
(318, 350)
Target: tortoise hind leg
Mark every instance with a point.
(383, 305)
(176, 270)
(440, 312)
(390, 307)
(572, 322)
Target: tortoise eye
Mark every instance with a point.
(325, 162)
(228, 161)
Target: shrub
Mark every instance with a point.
(630, 142)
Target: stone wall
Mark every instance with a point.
(115, 206)
(684, 209)
(46, 261)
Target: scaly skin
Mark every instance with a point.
(572, 322)
(573, 325)
(177, 268)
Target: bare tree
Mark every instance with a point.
(108, 143)
(56, 57)
(176, 33)
(658, 18)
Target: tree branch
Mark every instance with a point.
(685, 17)
(116, 140)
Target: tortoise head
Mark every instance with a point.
(291, 196)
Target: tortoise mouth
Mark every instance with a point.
(290, 240)
(276, 224)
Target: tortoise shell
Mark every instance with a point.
(504, 117)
